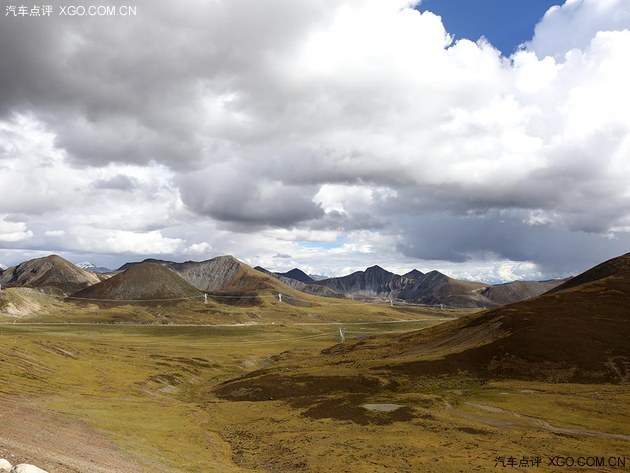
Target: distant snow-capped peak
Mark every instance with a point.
(318, 277)
(85, 265)
(3, 267)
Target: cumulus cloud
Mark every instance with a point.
(286, 122)
(230, 194)
(575, 23)
(199, 248)
(13, 231)
(131, 242)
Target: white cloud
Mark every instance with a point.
(575, 23)
(120, 241)
(14, 231)
(349, 124)
(199, 248)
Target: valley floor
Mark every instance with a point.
(109, 398)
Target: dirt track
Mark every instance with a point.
(536, 422)
(32, 434)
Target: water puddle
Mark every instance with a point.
(382, 407)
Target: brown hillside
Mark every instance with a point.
(508, 293)
(146, 281)
(51, 273)
(603, 270)
(576, 334)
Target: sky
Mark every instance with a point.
(505, 24)
(490, 143)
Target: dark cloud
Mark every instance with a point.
(228, 196)
(557, 251)
(119, 182)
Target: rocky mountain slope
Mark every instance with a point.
(435, 288)
(51, 273)
(373, 282)
(413, 274)
(226, 274)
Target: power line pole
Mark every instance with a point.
(342, 335)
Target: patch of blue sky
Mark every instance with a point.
(321, 245)
(506, 24)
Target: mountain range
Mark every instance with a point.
(432, 288)
(228, 274)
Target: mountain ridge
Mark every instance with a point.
(434, 288)
(298, 275)
(226, 273)
(51, 273)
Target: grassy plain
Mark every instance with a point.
(157, 392)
